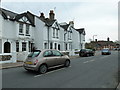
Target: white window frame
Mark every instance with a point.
(21, 28)
(27, 29)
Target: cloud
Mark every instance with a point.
(97, 17)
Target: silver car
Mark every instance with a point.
(41, 61)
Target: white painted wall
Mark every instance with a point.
(1, 20)
(9, 29)
(40, 33)
(76, 40)
(0, 45)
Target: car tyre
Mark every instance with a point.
(42, 69)
(67, 63)
(87, 55)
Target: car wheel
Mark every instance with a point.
(67, 63)
(42, 69)
(87, 55)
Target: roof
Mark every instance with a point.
(15, 17)
(27, 14)
(81, 30)
(65, 26)
(49, 22)
(8, 14)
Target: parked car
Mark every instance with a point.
(86, 52)
(41, 61)
(106, 51)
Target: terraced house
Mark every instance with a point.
(21, 33)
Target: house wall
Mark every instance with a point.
(76, 40)
(61, 36)
(39, 33)
(0, 45)
(1, 20)
(9, 29)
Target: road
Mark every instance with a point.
(99, 71)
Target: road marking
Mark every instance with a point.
(104, 57)
(86, 62)
(89, 61)
(50, 72)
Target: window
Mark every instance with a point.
(65, 46)
(17, 46)
(24, 46)
(55, 45)
(47, 53)
(27, 29)
(34, 54)
(20, 28)
(29, 45)
(58, 46)
(56, 53)
(70, 35)
(45, 45)
(56, 33)
(51, 45)
(53, 33)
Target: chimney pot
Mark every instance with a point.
(51, 15)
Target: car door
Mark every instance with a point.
(59, 57)
(49, 58)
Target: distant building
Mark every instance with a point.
(98, 45)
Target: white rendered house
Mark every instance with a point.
(21, 33)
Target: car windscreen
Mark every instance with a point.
(34, 54)
(105, 50)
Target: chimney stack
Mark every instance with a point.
(51, 15)
(108, 39)
(71, 23)
(42, 17)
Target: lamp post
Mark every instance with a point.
(94, 36)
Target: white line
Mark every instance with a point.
(104, 57)
(86, 62)
(89, 61)
(38, 75)
(92, 60)
(50, 72)
(54, 71)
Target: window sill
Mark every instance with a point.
(21, 34)
(27, 35)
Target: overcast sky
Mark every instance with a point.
(98, 17)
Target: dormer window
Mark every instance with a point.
(53, 32)
(27, 29)
(20, 28)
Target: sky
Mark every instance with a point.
(98, 17)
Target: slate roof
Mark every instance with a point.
(81, 30)
(6, 13)
(15, 17)
(65, 26)
(49, 22)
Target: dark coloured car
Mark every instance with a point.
(105, 52)
(43, 60)
(86, 52)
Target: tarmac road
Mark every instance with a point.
(99, 71)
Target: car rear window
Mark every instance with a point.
(34, 54)
(105, 50)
